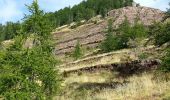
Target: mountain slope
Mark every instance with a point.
(90, 35)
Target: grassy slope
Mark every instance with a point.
(106, 85)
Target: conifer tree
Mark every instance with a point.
(28, 73)
(112, 41)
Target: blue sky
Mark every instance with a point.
(13, 10)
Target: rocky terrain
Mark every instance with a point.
(90, 35)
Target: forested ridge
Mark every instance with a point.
(83, 11)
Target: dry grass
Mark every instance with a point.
(139, 88)
(119, 56)
(142, 87)
(98, 77)
(101, 59)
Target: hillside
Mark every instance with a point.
(90, 35)
(95, 50)
(118, 75)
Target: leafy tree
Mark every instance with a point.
(77, 52)
(28, 73)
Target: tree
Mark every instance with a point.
(11, 30)
(77, 52)
(167, 14)
(113, 41)
(2, 34)
(168, 11)
(28, 73)
(161, 33)
(139, 30)
(128, 2)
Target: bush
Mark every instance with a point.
(160, 33)
(112, 41)
(77, 52)
(165, 66)
(138, 30)
(143, 56)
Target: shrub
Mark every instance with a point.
(143, 56)
(77, 52)
(165, 66)
(138, 30)
(160, 33)
(113, 41)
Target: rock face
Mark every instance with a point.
(146, 15)
(90, 35)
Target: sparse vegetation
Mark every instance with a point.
(92, 86)
(77, 52)
(143, 56)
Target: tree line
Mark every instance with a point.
(83, 11)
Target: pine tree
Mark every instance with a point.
(28, 73)
(111, 41)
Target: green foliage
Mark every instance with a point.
(77, 52)
(28, 73)
(143, 56)
(36, 23)
(138, 30)
(113, 42)
(123, 35)
(83, 11)
(161, 33)
(2, 34)
(165, 66)
(9, 31)
(168, 12)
